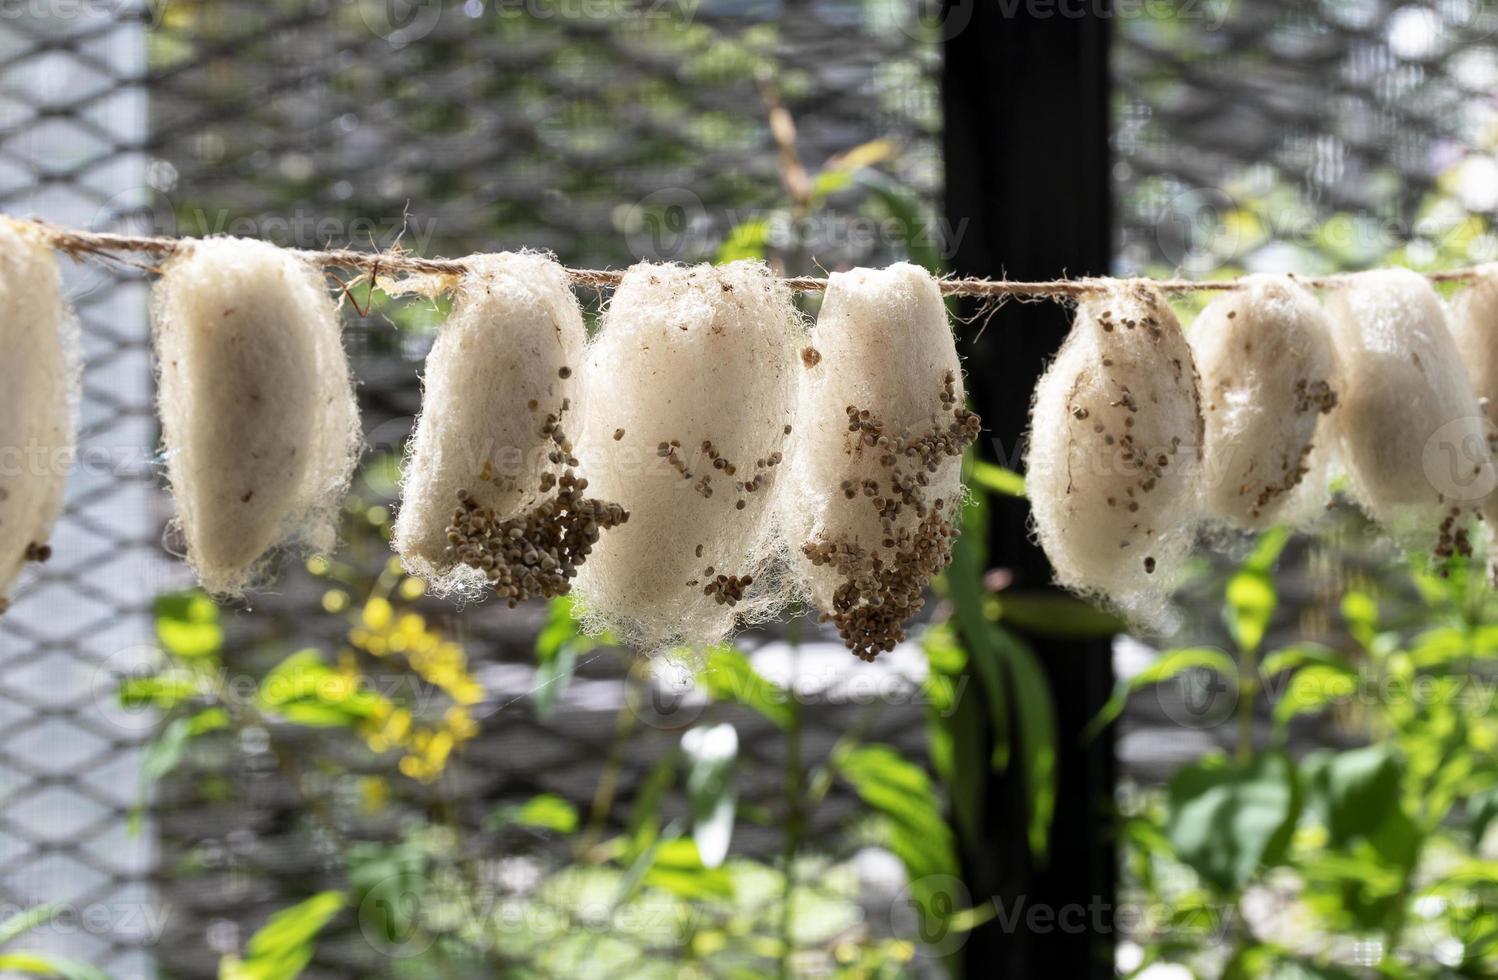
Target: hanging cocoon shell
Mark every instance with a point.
(1474, 324)
(1264, 354)
(257, 407)
(689, 392)
(38, 399)
(490, 496)
(1115, 450)
(1411, 432)
(875, 483)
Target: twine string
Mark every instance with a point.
(396, 262)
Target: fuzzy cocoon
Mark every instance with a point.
(689, 390)
(1410, 431)
(508, 357)
(1474, 324)
(258, 416)
(39, 365)
(883, 378)
(1265, 358)
(1115, 451)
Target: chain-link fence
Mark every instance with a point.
(1248, 136)
(607, 132)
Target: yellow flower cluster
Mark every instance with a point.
(385, 633)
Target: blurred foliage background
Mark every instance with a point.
(347, 777)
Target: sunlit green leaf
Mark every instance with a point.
(545, 811)
(187, 625)
(730, 677)
(1227, 820)
(1170, 664)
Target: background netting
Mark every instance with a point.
(1248, 136)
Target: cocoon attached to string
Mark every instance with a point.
(1411, 433)
(1474, 324)
(1115, 451)
(875, 489)
(689, 390)
(490, 496)
(1264, 354)
(258, 417)
(38, 398)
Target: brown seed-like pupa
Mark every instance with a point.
(875, 487)
(697, 366)
(38, 396)
(494, 397)
(1115, 450)
(1264, 353)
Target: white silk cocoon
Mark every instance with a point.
(509, 356)
(1411, 433)
(258, 416)
(1265, 358)
(689, 390)
(38, 399)
(1115, 451)
(1474, 324)
(875, 485)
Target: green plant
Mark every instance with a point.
(1375, 850)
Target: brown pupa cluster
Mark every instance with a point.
(876, 466)
(534, 555)
(1115, 451)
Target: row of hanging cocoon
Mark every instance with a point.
(1145, 438)
(703, 461)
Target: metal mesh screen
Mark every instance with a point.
(1248, 136)
(605, 132)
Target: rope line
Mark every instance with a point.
(108, 245)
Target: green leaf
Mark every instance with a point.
(997, 479)
(187, 625)
(711, 755)
(1035, 717)
(165, 751)
(1358, 794)
(1313, 688)
(283, 947)
(1226, 820)
(1300, 655)
(1170, 664)
(1251, 601)
(902, 793)
(23, 922)
(677, 867)
(558, 646)
(305, 690)
(1360, 612)
(545, 811)
(729, 676)
(748, 240)
(1482, 807)
(163, 691)
(1043, 612)
(48, 965)
(964, 582)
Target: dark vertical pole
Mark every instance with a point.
(1026, 92)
